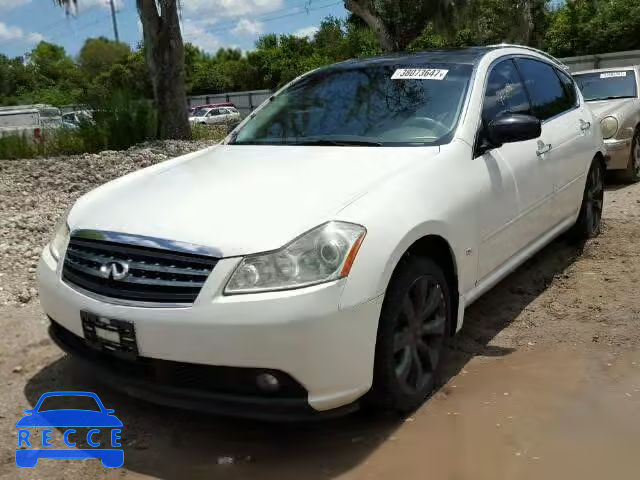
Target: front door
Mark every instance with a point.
(520, 175)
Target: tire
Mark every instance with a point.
(632, 173)
(406, 344)
(588, 224)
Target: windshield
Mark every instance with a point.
(364, 105)
(201, 112)
(607, 85)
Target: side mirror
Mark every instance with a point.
(513, 127)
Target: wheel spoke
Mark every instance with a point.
(404, 366)
(434, 326)
(433, 301)
(429, 353)
(418, 368)
(401, 340)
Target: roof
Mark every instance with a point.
(465, 56)
(469, 56)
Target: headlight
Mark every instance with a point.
(609, 127)
(60, 236)
(323, 254)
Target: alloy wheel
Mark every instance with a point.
(419, 333)
(595, 198)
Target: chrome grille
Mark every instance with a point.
(153, 274)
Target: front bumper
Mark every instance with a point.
(327, 350)
(618, 152)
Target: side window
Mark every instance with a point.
(548, 96)
(569, 87)
(505, 92)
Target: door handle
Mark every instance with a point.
(543, 148)
(584, 126)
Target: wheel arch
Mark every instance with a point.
(438, 249)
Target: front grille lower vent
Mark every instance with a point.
(135, 273)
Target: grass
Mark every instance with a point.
(209, 132)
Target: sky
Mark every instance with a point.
(209, 24)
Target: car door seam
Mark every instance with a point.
(533, 207)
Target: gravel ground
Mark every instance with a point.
(543, 380)
(34, 193)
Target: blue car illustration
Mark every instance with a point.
(29, 451)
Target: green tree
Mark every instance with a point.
(399, 22)
(164, 54)
(98, 55)
(581, 27)
(52, 63)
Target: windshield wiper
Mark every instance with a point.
(340, 142)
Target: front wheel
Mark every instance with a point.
(588, 224)
(413, 335)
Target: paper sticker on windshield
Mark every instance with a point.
(613, 74)
(419, 74)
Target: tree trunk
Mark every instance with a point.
(164, 54)
(364, 10)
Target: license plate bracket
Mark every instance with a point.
(117, 337)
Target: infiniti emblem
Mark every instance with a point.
(115, 270)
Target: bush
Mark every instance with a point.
(19, 146)
(117, 124)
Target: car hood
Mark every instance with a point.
(241, 199)
(605, 108)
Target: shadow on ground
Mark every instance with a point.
(174, 444)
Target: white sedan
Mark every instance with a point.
(323, 255)
(216, 116)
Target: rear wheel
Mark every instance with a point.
(588, 223)
(632, 173)
(413, 335)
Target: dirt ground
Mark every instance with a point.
(543, 382)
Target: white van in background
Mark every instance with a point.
(30, 120)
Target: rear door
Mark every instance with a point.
(213, 117)
(572, 161)
(555, 102)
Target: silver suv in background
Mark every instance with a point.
(612, 94)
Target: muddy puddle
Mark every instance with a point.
(561, 414)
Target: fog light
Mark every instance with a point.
(268, 383)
